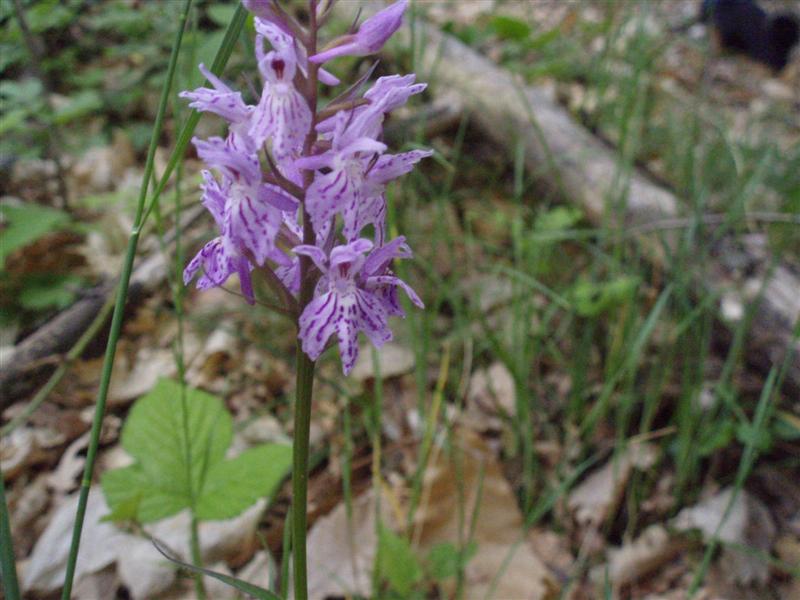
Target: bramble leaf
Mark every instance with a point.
(233, 485)
(178, 439)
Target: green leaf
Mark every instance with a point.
(221, 14)
(397, 563)
(233, 485)
(158, 484)
(131, 495)
(557, 219)
(155, 435)
(717, 435)
(510, 28)
(49, 290)
(248, 588)
(591, 299)
(445, 559)
(80, 105)
(25, 223)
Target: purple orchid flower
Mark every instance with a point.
(370, 37)
(352, 297)
(226, 103)
(283, 114)
(252, 211)
(219, 257)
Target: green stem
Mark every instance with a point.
(302, 423)
(8, 566)
(119, 309)
(305, 366)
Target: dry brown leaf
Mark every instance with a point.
(504, 565)
(641, 556)
(597, 497)
(341, 554)
(747, 523)
(145, 572)
(492, 391)
(100, 541)
(19, 450)
(65, 476)
(393, 360)
(149, 366)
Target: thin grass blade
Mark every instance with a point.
(8, 566)
(248, 588)
(119, 308)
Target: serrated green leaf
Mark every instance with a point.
(233, 485)
(25, 223)
(248, 588)
(131, 495)
(155, 435)
(397, 564)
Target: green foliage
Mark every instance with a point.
(26, 223)
(446, 559)
(510, 28)
(49, 290)
(180, 465)
(592, 298)
(251, 590)
(397, 564)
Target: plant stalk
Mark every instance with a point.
(8, 565)
(302, 423)
(119, 309)
(305, 366)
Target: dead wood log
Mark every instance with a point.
(586, 172)
(36, 356)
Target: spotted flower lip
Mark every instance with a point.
(370, 37)
(352, 297)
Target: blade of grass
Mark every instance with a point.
(8, 566)
(251, 590)
(119, 309)
(185, 136)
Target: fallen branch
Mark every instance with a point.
(40, 353)
(584, 171)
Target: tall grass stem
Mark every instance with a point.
(119, 309)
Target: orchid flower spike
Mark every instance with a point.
(370, 37)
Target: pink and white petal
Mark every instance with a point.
(391, 166)
(214, 197)
(364, 145)
(391, 280)
(378, 261)
(347, 325)
(352, 48)
(278, 38)
(327, 77)
(252, 224)
(215, 262)
(318, 323)
(317, 255)
(277, 197)
(372, 318)
(243, 268)
(318, 161)
(332, 193)
(352, 253)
